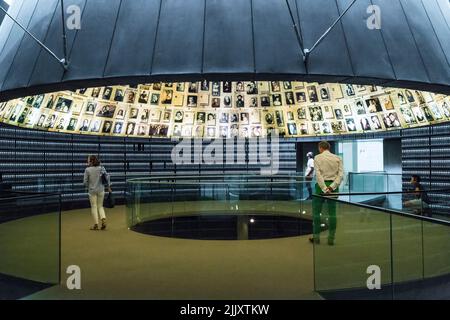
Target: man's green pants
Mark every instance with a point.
(317, 204)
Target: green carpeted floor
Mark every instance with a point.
(121, 264)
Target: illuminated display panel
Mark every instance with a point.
(227, 109)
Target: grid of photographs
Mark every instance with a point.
(227, 109)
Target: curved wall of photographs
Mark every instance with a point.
(227, 109)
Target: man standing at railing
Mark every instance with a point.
(329, 171)
(309, 174)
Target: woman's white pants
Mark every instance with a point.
(97, 209)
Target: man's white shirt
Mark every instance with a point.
(328, 167)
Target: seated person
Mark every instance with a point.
(421, 201)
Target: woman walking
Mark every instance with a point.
(96, 179)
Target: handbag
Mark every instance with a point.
(109, 201)
(105, 177)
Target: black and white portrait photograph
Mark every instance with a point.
(287, 85)
(107, 111)
(145, 115)
(375, 122)
(349, 90)
(134, 112)
(84, 127)
(373, 105)
(95, 126)
(251, 87)
(204, 86)
(276, 100)
(72, 124)
(301, 113)
(275, 86)
(326, 128)
(130, 96)
(215, 103)
(338, 113)
(290, 116)
(227, 102)
(201, 117)
(166, 96)
(38, 101)
(95, 92)
(179, 87)
(289, 98)
(359, 107)
(63, 105)
(192, 101)
(224, 117)
(408, 115)
(435, 111)
(304, 128)
(244, 118)
(90, 108)
(269, 118)
(211, 119)
(312, 94)
(107, 92)
(409, 96)
(107, 127)
(338, 127)
(316, 128)
(227, 86)
(351, 125)
(167, 115)
(324, 94)
(121, 113)
(391, 120)
(419, 114)
(265, 101)
(215, 89)
(193, 87)
(119, 95)
(143, 96)
(347, 110)
(280, 119)
(316, 113)
(365, 124)
(428, 115)
(118, 127)
(240, 103)
(142, 130)
(252, 102)
(131, 126)
(292, 129)
(300, 97)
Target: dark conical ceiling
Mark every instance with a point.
(131, 41)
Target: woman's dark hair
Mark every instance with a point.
(93, 161)
(416, 178)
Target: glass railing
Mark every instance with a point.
(159, 198)
(30, 248)
(407, 251)
(371, 182)
(377, 252)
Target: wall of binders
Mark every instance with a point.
(41, 161)
(54, 162)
